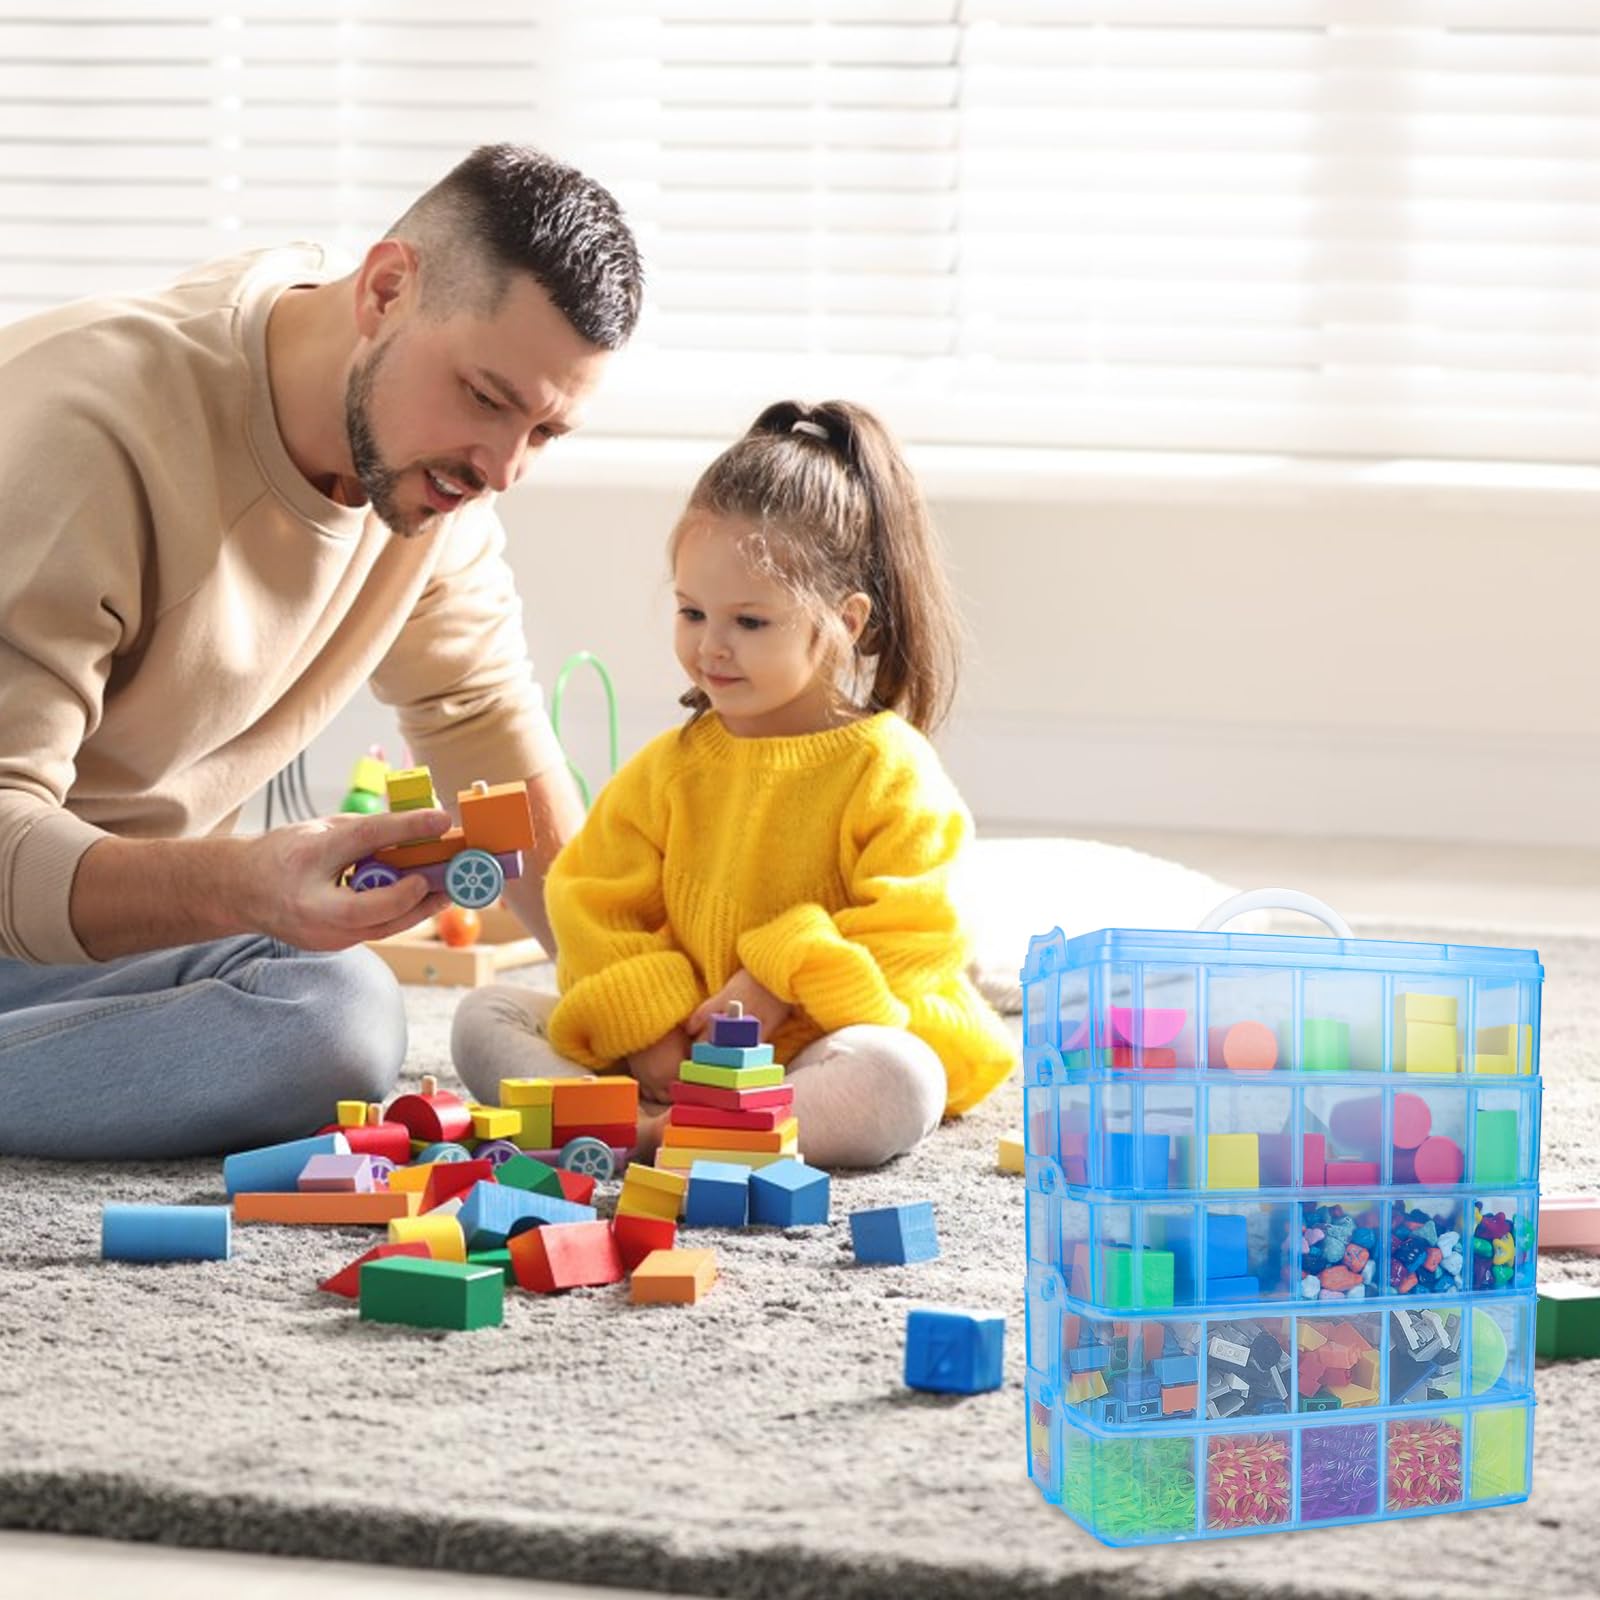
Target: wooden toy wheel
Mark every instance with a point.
(371, 874)
(497, 1151)
(589, 1158)
(474, 879)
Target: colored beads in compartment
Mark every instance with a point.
(1424, 1463)
(1339, 1472)
(1337, 1253)
(1494, 1249)
(1424, 1253)
(1247, 1480)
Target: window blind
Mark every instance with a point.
(1338, 227)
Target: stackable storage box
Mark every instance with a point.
(1281, 1212)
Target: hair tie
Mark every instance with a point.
(815, 429)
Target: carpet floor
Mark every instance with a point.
(761, 1444)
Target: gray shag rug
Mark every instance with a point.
(761, 1444)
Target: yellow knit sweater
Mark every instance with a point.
(818, 863)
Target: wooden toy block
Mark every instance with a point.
(502, 819)
(637, 1202)
(442, 1235)
(1569, 1322)
(950, 1350)
(538, 1128)
(494, 1212)
(391, 1140)
(680, 1158)
(783, 1137)
(775, 1097)
(447, 1178)
(687, 1115)
(1324, 1045)
(351, 1174)
(618, 1135)
(718, 1196)
(347, 1280)
(718, 1055)
(409, 789)
(895, 1234)
(1436, 1009)
(432, 1294)
(527, 1091)
(733, 1029)
(368, 775)
(609, 1102)
(1153, 1292)
(673, 1277)
(411, 1180)
(1122, 1150)
(1233, 1161)
(1425, 1047)
(433, 1114)
(638, 1237)
(499, 1259)
(788, 1194)
(566, 1255)
(165, 1233)
(277, 1167)
(495, 1122)
(1495, 1147)
(1243, 1047)
(1569, 1222)
(1314, 1159)
(524, 1172)
(577, 1187)
(350, 1113)
(1012, 1153)
(1490, 1066)
(675, 1184)
(325, 1210)
(1511, 1043)
(730, 1077)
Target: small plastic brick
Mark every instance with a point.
(432, 1294)
(566, 1255)
(277, 1167)
(895, 1234)
(718, 1197)
(165, 1233)
(673, 1277)
(788, 1194)
(950, 1350)
(347, 1280)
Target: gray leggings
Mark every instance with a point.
(194, 1051)
(863, 1094)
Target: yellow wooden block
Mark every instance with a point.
(1496, 1066)
(369, 774)
(637, 1201)
(782, 1137)
(1234, 1161)
(527, 1091)
(411, 1180)
(673, 1277)
(536, 1129)
(679, 1158)
(673, 1183)
(441, 1234)
(1425, 1047)
(1512, 1040)
(1012, 1156)
(410, 789)
(1438, 1008)
(496, 1122)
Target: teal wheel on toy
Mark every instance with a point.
(474, 879)
(589, 1158)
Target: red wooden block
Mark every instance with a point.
(637, 1236)
(347, 1281)
(576, 1186)
(705, 1094)
(614, 1133)
(447, 1179)
(438, 1117)
(763, 1121)
(565, 1255)
(391, 1139)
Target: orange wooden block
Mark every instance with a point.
(331, 1210)
(423, 853)
(497, 817)
(672, 1277)
(580, 1103)
(780, 1138)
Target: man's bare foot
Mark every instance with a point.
(652, 1120)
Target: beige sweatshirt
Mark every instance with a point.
(181, 612)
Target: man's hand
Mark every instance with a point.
(656, 1066)
(760, 1003)
(292, 889)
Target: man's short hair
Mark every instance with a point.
(508, 208)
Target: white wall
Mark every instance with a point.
(1230, 643)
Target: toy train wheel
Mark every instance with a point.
(434, 1153)
(474, 879)
(371, 874)
(589, 1158)
(497, 1151)
(382, 1166)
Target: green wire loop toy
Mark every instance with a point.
(584, 658)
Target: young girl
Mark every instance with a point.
(788, 848)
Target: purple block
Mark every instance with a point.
(350, 1174)
(734, 1032)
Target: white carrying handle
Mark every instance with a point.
(1275, 900)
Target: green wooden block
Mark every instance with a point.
(432, 1294)
(531, 1175)
(1569, 1322)
(731, 1077)
(1324, 1045)
(493, 1258)
(1494, 1148)
(1157, 1273)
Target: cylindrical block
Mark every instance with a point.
(165, 1233)
(276, 1168)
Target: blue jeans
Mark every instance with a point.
(195, 1051)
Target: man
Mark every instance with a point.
(226, 506)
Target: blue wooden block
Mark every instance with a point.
(276, 1168)
(954, 1351)
(495, 1212)
(735, 1032)
(718, 1195)
(1120, 1152)
(788, 1194)
(897, 1234)
(717, 1055)
(165, 1233)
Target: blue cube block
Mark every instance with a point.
(897, 1234)
(495, 1212)
(276, 1168)
(1227, 1245)
(1120, 1153)
(735, 1032)
(788, 1194)
(954, 1351)
(718, 1195)
(722, 1055)
(165, 1233)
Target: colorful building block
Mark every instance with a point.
(409, 789)
(642, 1199)
(501, 819)
(608, 1102)
(1506, 1049)
(390, 1140)
(1569, 1222)
(951, 1350)
(523, 1092)
(350, 1113)
(277, 1167)
(1154, 1289)
(1324, 1045)
(730, 1077)
(788, 1194)
(432, 1294)
(495, 1122)
(325, 1210)
(165, 1233)
(443, 1235)
(638, 1237)
(1569, 1322)
(719, 1055)
(772, 1097)
(433, 1114)
(772, 1141)
(346, 1282)
(494, 1212)
(1121, 1153)
(351, 1174)
(681, 1158)
(526, 1172)
(718, 1195)
(733, 1029)
(565, 1255)
(1233, 1161)
(1012, 1153)
(898, 1235)
(1495, 1148)
(1243, 1047)
(447, 1179)
(764, 1120)
(673, 1277)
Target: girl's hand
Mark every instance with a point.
(760, 1003)
(656, 1066)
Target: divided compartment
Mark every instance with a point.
(1427, 1023)
(1249, 1018)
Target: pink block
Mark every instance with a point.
(1569, 1222)
(1149, 1026)
(1438, 1160)
(350, 1174)
(1353, 1174)
(1314, 1147)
